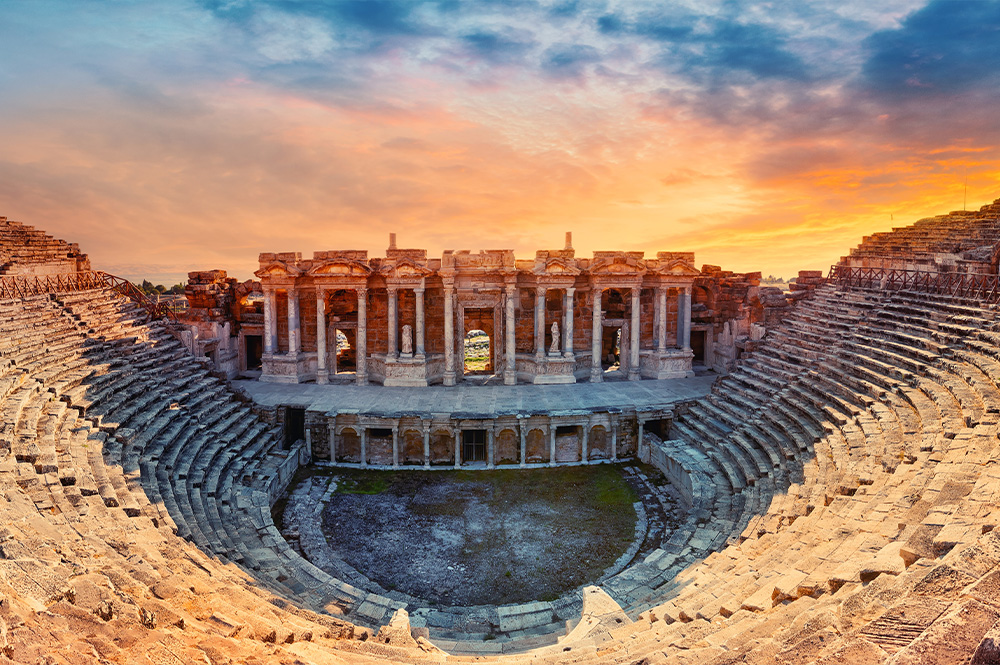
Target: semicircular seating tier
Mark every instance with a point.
(843, 483)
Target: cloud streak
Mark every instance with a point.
(769, 139)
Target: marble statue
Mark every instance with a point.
(407, 339)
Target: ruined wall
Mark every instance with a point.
(737, 311)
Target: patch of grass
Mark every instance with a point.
(363, 484)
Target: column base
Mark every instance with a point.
(596, 375)
(510, 378)
(322, 377)
(449, 379)
(362, 379)
(633, 375)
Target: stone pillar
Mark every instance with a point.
(322, 375)
(539, 323)
(332, 428)
(449, 334)
(524, 443)
(419, 347)
(361, 339)
(395, 445)
(584, 442)
(568, 301)
(687, 317)
(552, 444)
(614, 439)
(490, 443)
(293, 322)
(638, 444)
(427, 443)
(680, 317)
(510, 354)
(661, 321)
(633, 351)
(393, 324)
(270, 322)
(364, 446)
(458, 447)
(595, 345)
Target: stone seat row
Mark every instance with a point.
(816, 565)
(948, 394)
(70, 472)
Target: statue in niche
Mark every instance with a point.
(407, 340)
(554, 346)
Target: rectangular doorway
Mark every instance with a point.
(254, 351)
(295, 425)
(698, 345)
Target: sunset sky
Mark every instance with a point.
(171, 136)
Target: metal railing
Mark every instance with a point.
(985, 288)
(22, 286)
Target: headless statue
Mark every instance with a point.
(407, 339)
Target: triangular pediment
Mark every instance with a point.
(341, 268)
(558, 267)
(678, 267)
(278, 269)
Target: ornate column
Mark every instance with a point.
(458, 447)
(633, 344)
(661, 322)
(361, 340)
(293, 322)
(510, 366)
(687, 317)
(393, 325)
(395, 445)
(449, 333)
(524, 442)
(270, 323)
(552, 444)
(364, 446)
(595, 344)
(583, 443)
(322, 375)
(419, 346)
(426, 424)
(490, 443)
(568, 322)
(539, 323)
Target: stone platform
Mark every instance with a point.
(482, 402)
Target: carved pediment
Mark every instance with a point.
(678, 267)
(557, 267)
(278, 269)
(405, 268)
(341, 268)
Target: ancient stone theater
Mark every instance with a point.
(833, 449)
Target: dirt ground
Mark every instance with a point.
(483, 537)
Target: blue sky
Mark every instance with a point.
(179, 135)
